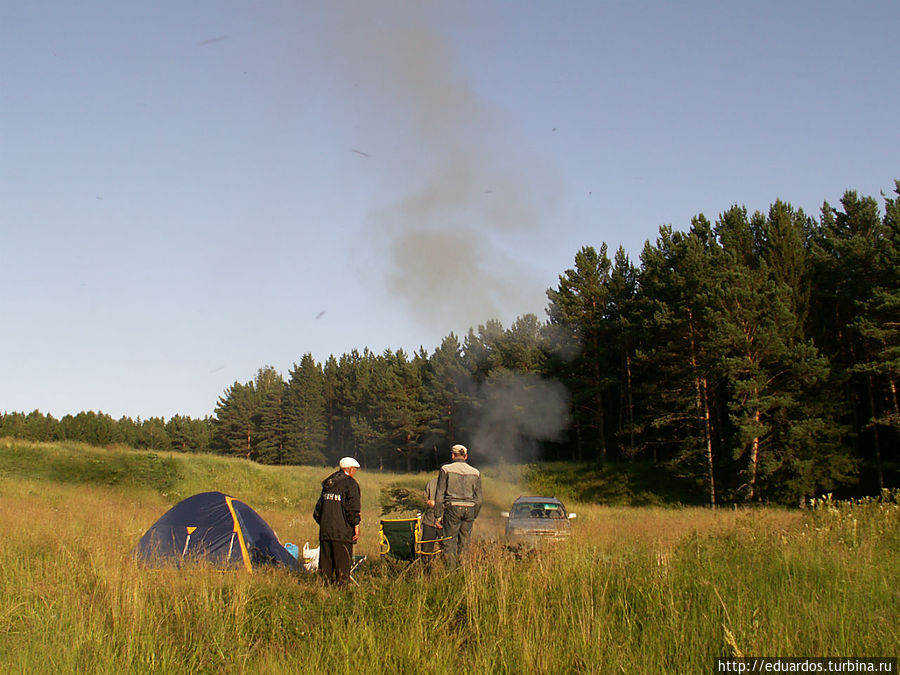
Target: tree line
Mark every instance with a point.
(756, 357)
(178, 433)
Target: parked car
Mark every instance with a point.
(536, 519)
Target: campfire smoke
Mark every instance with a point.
(455, 194)
(517, 413)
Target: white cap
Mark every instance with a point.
(348, 463)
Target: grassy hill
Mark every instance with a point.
(647, 589)
(179, 475)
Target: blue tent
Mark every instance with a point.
(214, 528)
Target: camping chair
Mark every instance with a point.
(355, 562)
(401, 539)
(311, 561)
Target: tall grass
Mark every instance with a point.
(634, 590)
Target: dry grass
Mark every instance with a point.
(635, 590)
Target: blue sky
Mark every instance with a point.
(191, 191)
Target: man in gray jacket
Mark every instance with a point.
(457, 502)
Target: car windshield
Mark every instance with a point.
(537, 510)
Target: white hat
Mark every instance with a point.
(348, 463)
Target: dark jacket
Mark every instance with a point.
(337, 511)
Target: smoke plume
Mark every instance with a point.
(517, 413)
(457, 190)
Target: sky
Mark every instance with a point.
(191, 191)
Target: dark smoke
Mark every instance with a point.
(460, 194)
(459, 189)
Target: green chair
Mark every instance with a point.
(401, 539)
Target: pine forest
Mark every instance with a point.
(755, 358)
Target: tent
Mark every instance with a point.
(214, 528)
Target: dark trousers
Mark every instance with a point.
(430, 533)
(334, 561)
(458, 521)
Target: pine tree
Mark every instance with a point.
(156, 438)
(353, 399)
(848, 249)
(179, 433)
(12, 425)
(577, 309)
(304, 414)
(398, 415)
(781, 427)
(129, 431)
(482, 353)
(233, 426)
(38, 427)
(268, 418)
(337, 431)
(521, 348)
(622, 307)
(784, 248)
(878, 327)
(184, 434)
(674, 363)
(446, 389)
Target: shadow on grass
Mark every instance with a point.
(75, 463)
(631, 484)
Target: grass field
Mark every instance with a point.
(636, 590)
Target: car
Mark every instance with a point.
(535, 519)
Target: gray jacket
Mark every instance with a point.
(458, 484)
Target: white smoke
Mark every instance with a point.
(516, 414)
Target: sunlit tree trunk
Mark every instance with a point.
(702, 403)
(629, 404)
(707, 435)
(876, 444)
(754, 458)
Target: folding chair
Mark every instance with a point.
(311, 561)
(355, 562)
(401, 539)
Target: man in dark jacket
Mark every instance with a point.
(457, 502)
(337, 513)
